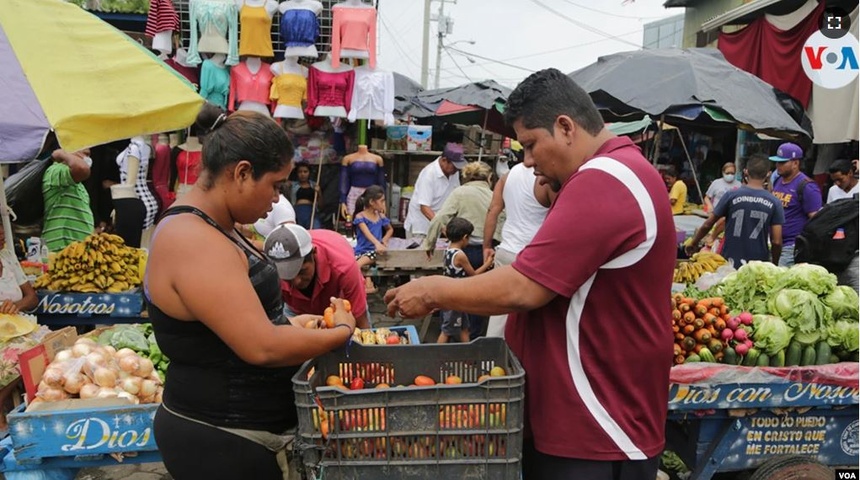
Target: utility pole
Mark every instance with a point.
(425, 50)
(445, 26)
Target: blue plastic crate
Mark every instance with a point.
(409, 330)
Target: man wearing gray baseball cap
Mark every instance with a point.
(314, 266)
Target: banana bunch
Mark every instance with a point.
(100, 263)
(701, 262)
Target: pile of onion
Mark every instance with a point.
(90, 370)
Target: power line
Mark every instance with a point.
(397, 44)
(607, 13)
(456, 64)
(582, 25)
(492, 60)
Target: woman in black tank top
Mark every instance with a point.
(215, 305)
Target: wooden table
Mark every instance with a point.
(413, 263)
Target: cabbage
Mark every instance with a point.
(771, 334)
(800, 309)
(805, 276)
(844, 302)
(748, 287)
(844, 335)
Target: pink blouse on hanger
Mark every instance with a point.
(327, 89)
(353, 29)
(248, 86)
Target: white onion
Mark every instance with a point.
(132, 385)
(53, 377)
(148, 388)
(81, 349)
(110, 350)
(63, 355)
(125, 351)
(107, 393)
(145, 369)
(131, 398)
(96, 358)
(89, 390)
(86, 341)
(104, 377)
(129, 363)
(52, 394)
(72, 382)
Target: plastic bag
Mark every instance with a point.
(24, 192)
(708, 280)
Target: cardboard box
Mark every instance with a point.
(395, 137)
(472, 141)
(419, 138)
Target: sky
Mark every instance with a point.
(526, 34)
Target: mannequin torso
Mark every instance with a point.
(255, 37)
(290, 85)
(359, 170)
(355, 52)
(218, 59)
(260, 84)
(300, 27)
(187, 164)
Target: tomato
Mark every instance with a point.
(356, 384)
(393, 339)
(453, 380)
(424, 381)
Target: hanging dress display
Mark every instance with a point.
(214, 29)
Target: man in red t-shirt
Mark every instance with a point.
(591, 290)
(314, 266)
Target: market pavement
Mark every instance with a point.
(156, 471)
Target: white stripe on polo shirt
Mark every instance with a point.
(581, 382)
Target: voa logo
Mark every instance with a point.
(830, 62)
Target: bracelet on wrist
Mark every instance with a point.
(345, 326)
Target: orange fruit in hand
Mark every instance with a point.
(347, 305)
(328, 316)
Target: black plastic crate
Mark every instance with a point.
(468, 430)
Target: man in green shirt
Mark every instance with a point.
(68, 217)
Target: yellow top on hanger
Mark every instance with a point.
(289, 89)
(255, 31)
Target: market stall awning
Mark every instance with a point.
(477, 103)
(693, 86)
(63, 69)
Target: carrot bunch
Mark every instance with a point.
(696, 325)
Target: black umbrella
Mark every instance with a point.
(690, 86)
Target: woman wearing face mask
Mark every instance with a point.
(720, 186)
(715, 192)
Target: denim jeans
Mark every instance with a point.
(786, 258)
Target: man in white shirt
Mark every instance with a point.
(435, 182)
(844, 181)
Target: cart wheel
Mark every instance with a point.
(792, 467)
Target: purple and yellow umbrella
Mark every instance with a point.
(66, 70)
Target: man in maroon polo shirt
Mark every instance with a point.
(599, 268)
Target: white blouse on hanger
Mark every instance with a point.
(372, 96)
